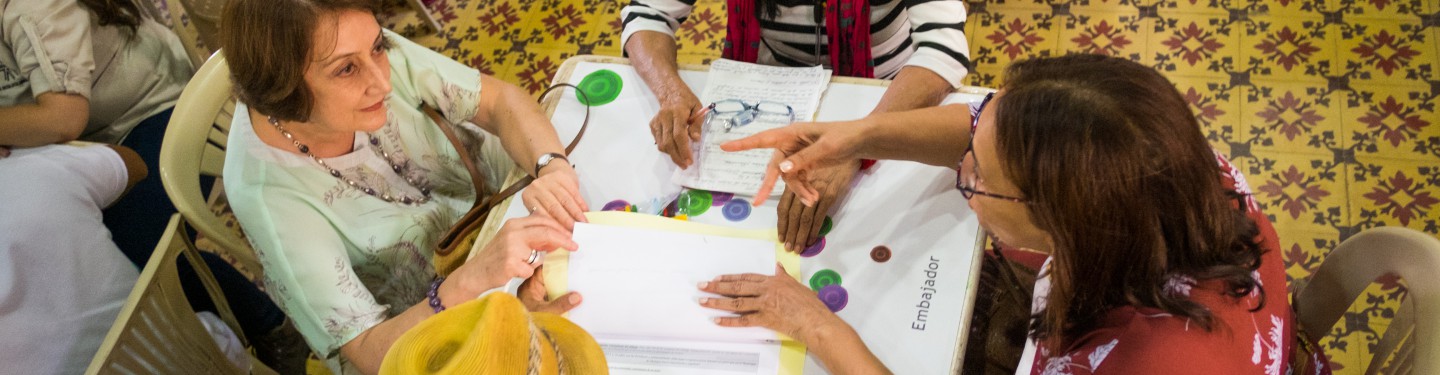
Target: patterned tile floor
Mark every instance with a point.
(1329, 106)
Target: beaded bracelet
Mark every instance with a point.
(434, 294)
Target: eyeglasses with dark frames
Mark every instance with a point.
(967, 182)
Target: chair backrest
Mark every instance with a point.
(1412, 342)
(157, 332)
(194, 145)
(205, 15)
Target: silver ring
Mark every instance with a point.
(534, 256)
(533, 209)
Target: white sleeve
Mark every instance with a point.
(51, 44)
(938, 29)
(663, 16)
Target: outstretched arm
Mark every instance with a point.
(935, 136)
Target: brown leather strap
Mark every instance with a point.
(583, 123)
(477, 214)
(477, 177)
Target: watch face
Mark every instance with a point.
(545, 160)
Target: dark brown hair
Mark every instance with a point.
(1126, 186)
(123, 13)
(268, 45)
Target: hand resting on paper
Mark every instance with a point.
(556, 194)
(782, 304)
(677, 125)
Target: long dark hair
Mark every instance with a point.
(1126, 186)
(123, 13)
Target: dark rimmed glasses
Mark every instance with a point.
(740, 113)
(967, 182)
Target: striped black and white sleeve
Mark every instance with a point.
(662, 16)
(938, 30)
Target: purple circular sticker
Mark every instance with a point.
(718, 199)
(616, 205)
(814, 249)
(736, 210)
(834, 296)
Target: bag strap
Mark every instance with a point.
(477, 177)
(481, 209)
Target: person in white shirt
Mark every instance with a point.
(62, 281)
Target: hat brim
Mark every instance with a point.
(582, 354)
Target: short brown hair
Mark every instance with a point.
(268, 45)
(1127, 187)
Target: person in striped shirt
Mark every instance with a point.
(919, 44)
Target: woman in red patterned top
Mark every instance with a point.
(1160, 261)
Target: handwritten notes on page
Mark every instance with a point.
(749, 98)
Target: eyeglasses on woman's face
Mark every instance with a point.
(967, 179)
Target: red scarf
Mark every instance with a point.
(849, 42)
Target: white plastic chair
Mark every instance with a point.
(1410, 343)
(194, 146)
(157, 332)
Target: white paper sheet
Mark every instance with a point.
(641, 283)
(742, 172)
(652, 357)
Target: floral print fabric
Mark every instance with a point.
(337, 260)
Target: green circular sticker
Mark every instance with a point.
(600, 87)
(695, 202)
(825, 227)
(824, 278)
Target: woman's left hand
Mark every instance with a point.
(556, 194)
(777, 302)
(532, 293)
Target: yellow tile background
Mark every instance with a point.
(1329, 106)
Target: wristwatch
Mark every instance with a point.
(545, 160)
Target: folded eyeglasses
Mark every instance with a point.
(743, 113)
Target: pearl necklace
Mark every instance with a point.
(402, 170)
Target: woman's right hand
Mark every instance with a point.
(801, 148)
(777, 302)
(676, 125)
(506, 257)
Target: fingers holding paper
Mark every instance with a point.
(777, 302)
(514, 252)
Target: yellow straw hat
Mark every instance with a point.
(495, 335)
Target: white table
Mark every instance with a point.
(911, 310)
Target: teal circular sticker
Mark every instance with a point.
(600, 87)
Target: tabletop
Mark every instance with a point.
(900, 256)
